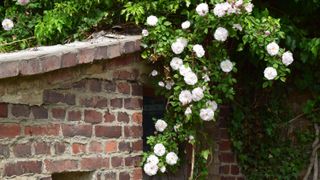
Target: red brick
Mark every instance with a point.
(124, 146)
(40, 130)
(76, 130)
(92, 116)
(137, 90)
(111, 146)
(109, 86)
(74, 115)
(123, 117)
(39, 112)
(3, 110)
(110, 176)
(133, 131)
(240, 178)
(235, 170)
(19, 110)
(123, 87)
(22, 150)
(116, 103)
(224, 134)
(58, 113)
(80, 85)
(22, 167)
(116, 161)
(133, 161)
(78, 148)
(108, 131)
(41, 148)
(133, 103)
(224, 146)
(50, 63)
(124, 75)
(224, 169)
(108, 117)
(137, 174)
(61, 76)
(124, 176)
(91, 163)
(9, 130)
(9, 69)
(95, 85)
(60, 165)
(137, 145)
(59, 148)
(30, 67)
(95, 147)
(86, 55)
(227, 157)
(96, 102)
(51, 97)
(69, 99)
(69, 60)
(137, 118)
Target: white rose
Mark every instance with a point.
(159, 149)
(152, 20)
(171, 158)
(221, 34)
(213, 105)
(188, 111)
(176, 63)
(7, 24)
(197, 94)
(152, 159)
(145, 33)
(270, 73)
(163, 169)
(184, 70)
(248, 7)
(161, 83)
(273, 48)
(207, 114)
(219, 10)
(168, 86)
(184, 41)
(23, 2)
(190, 78)
(161, 125)
(191, 138)
(150, 169)
(198, 49)
(185, 97)
(287, 58)
(154, 73)
(177, 47)
(206, 78)
(185, 25)
(237, 26)
(238, 3)
(202, 9)
(226, 66)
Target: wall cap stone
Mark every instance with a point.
(49, 58)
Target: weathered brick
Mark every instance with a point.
(30, 67)
(58, 113)
(133, 131)
(86, 55)
(124, 176)
(4, 151)
(108, 117)
(116, 103)
(137, 174)
(235, 170)
(80, 85)
(110, 176)
(108, 131)
(22, 167)
(78, 148)
(69, 60)
(227, 157)
(59, 148)
(123, 117)
(91, 163)
(111, 146)
(137, 90)
(133, 161)
(133, 103)
(9, 130)
(128, 47)
(52, 97)
(116, 161)
(74, 115)
(227, 178)
(224, 169)
(46, 178)
(50, 63)
(124, 146)
(60, 165)
(69, 99)
(123, 87)
(39, 112)
(137, 145)
(225, 145)
(137, 118)
(3, 110)
(38, 130)
(92, 116)
(22, 150)
(96, 102)
(41, 148)
(95, 147)
(9, 69)
(95, 85)
(76, 130)
(113, 51)
(125, 75)
(61, 76)
(109, 86)
(224, 133)
(19, 110)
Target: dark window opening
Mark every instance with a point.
(72, 176)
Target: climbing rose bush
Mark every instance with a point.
(196, 75)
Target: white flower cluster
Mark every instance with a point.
(273, 49)
(226, 66)
(207, 114)
(152, 20)
(221, 34)
(7, 24)
(161, 125)
(202, 9)
(185, 25)
(198, 49)
(179, 45)
(235, 7)
(190, 77)
(23, 2)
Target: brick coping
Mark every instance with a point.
(49, 58)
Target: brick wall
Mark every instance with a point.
(87, 121)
